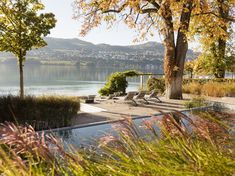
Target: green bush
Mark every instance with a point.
(157, 84)
(41, 112)
(117, 82)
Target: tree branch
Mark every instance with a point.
(229, 18)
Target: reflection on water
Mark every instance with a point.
(63, 80)
(81, 137)
(90, 135)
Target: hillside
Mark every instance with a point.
(79, 51)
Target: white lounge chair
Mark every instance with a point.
(141, 96)
(90, 99)
(130, 97)
(154, 95)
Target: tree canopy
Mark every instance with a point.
(215, 38)
(148, 15)
(22, 27)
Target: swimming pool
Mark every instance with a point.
(82, 135)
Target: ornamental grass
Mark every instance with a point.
(175, 144)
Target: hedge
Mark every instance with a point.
(41, 112)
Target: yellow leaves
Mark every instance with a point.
(202, 23)
(109, 17)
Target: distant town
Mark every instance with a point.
(80, 53)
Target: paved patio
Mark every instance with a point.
(103, 110)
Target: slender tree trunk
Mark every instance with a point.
(21, 77)
(223, 10)
(175, 54)
(221, 67)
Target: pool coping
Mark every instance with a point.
(217, 105)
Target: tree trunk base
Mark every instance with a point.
(174, 89)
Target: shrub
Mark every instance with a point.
(157, 84)
(40, 112)
(117, 82)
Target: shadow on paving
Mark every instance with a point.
(85, 118)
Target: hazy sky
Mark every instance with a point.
(68, 28)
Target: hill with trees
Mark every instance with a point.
(74, 51)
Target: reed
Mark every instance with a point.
(203, 147)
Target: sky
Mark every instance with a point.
(67, 27)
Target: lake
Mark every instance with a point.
(58, 80)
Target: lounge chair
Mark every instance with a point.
(130, 97)
(141, 96)
(90, 99)
(117, 94)
(154, 94)
(110, 97)
(114, 95)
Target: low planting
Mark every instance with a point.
(213, 89)
(205, 148)
(207, 87)
(195, 102)
(41, 112)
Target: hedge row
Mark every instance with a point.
(40, 112)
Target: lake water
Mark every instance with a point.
(57, 80)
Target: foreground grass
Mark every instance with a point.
(204, 147)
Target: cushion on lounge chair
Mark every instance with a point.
(129, 96)
(154, 94)
(141, 96)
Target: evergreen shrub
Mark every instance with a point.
(117, 82)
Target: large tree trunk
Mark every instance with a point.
(175, 79)
(21, 78)
(175, 54)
